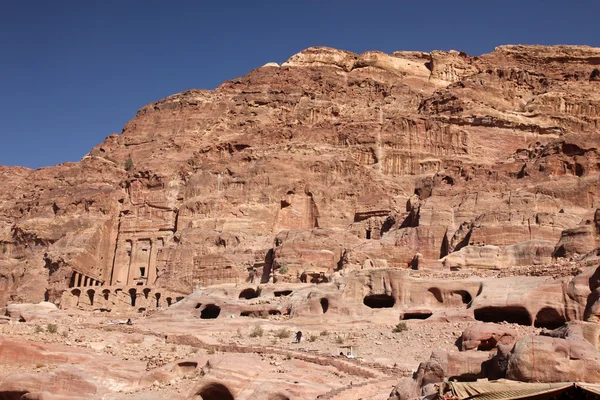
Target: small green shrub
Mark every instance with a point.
(324, 333)
(210, 351)
(38, 329)
(257, 331)
(4, 249)
(129, 164)
(283, 333)
(400, 327)
(312, 338)
(283, 270)
(52, 328)
(339, 340)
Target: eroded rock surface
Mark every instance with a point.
(433, 188)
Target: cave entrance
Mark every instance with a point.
(90, 294)
(249, 294)
(133, 295)
(379, 301)
(211, 311)
(368, 234)
(416, 315)
(282, 293)
(214, 391)
(12, 395)
(515, 315)
(549, 318)
(324, 305)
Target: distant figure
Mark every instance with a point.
(298, 336)
(129, 322)
(251, 274)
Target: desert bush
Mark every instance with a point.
(400, 327)
(129, 164)
(283, 333)
(257, 331)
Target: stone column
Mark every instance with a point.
(130, 272)
(152, 262)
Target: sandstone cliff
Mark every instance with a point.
(330, 162)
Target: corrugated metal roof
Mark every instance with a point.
(505, 389)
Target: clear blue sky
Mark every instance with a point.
(73, 72)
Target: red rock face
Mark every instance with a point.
(330, 161)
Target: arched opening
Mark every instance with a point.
(146, 292)
(274, 312)
(142, 309)
(211, 311)
(76, 292)
(368, 234)
(12, 395)
(133, 295)
(278, 396)
(157, 297)
(549, 318)
(214, 391)
(90, 294)
(416, 315)
(324, 305)
(437, 293)
(448, 180)
(106, 294)
(515, 315)
(379, 301)
(464, 295)
(282, 293)
(169, 301)
(249, 293)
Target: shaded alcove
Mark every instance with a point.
(464, 295)
(133, 295)
(157, 297)
(185, 367)
(516, 315)
(12, 395)
(214, 391)
(549, 318)
(379, 301)
(282, 293)
(91, 294)
(278, 396)
(416, 315)
(324, 305)
(249, 293)
(211, 311)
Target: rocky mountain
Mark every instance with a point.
(331, 161)
(440, 185)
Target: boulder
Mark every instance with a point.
(548, 359)
(486, 336)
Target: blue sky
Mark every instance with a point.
(73, 72)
